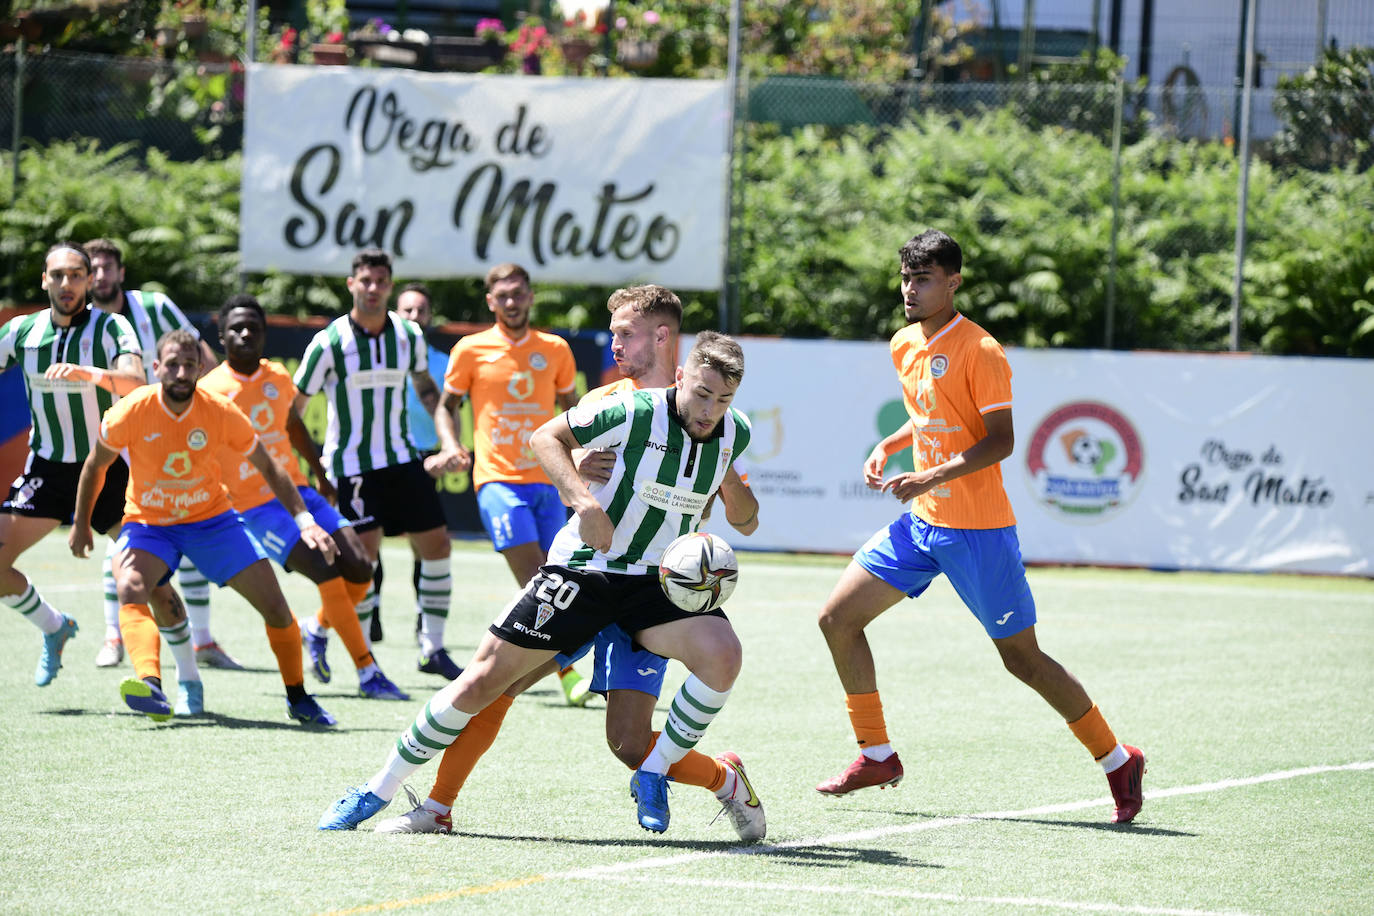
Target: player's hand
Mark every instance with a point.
(80, 541)
(908, 486)
(595, 528)
(71, 371)
(327, 490)
(873, 468)
(448, 461)
(317, 538)
(594, 466)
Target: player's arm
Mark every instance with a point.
(448, 425)
(209, 359)
(87, 488)
(996, 445)
(122, 378)
(877, 459)
(553, 444)
(566, 400)
(312, 534)
(741, 505)
(304, 445)
(426, 390)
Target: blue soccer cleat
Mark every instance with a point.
(379, 687)
(439, 662)
(308, 711)
(51, 659)
(191, 699)
(140, 696)
(347, 813)
(316, 646)
(650, 790)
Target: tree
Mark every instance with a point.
(1328, 112)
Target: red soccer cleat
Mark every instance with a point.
(1125, 781)
(863, 773)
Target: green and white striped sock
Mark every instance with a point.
(366, 608)
(436, 588)
(694, 707)
(195, 591)
(35, 610)
(436, 727)
(178, 639)
(111, 593)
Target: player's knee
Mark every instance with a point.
(1021, 666)
(354, 568)
(720, 664)
(628, 744)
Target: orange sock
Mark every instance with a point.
(866, 717)
(286, 646)
(696, 769)
(338, 612)
(1092, 729)
(141, 639)
(462, 755)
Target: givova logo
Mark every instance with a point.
(1084, 461)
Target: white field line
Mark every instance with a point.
(860, 893)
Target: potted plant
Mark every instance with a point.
(470, 53)
(578, 39)
(331, 51)
(529, 44)
(637, 38)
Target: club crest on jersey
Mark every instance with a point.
(521, 385)
(537, 361)
(178, 464)
(543, 614)
(261, 416)
(581, 416)
(197, 439)
(939, 365)
(270, 391)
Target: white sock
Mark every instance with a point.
(35, 610)
(1114, 760)
(111, 593)
(366, 608)
(727, 791)
(693, 708)
(178, 639)
(878, 752)
(434, 729)
(195, 591)
(436, 588)
(312, 626)
(365, 673)
(432, 805)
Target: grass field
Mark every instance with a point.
(1250, 695)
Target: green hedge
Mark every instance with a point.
(822, 218)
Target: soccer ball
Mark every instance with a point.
(698, 572)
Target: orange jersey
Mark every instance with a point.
(619, 385)
(174, 461)
(948, 383)
(265, 397)
(513, 385)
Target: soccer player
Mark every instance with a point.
(263, 390)
(644, 327)
(674, 447)
(178, 438)
(151, 314)
(75, 361)
(957, 387)
(517, 378)
(361, 362)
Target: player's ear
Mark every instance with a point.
(955, 281)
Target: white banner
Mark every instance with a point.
(581, 181)
(1177, 461)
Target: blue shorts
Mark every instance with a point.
(220, 546)
(620, 666)
(518, 513)
(983, 565)
(275, 528)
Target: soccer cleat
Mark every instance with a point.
(347, 813)
(140, 696)
(650, 792)
(744, 806)
(51, 659)
(577, 690)
(1125, 781)
(110, 654)
(191, 699)
(379, 687)
(438, 662)
(212, 656)
(862, 774)
(315, 646)
(418, 819)
(309, 712)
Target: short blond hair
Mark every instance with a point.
(505, 272)
(649, 301)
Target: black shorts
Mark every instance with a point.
(562, 609)
(400, 499)
(47, 489)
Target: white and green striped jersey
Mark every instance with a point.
(152, 315)
(364, 383)
(661, 482)
(66, 413)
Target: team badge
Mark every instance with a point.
(537, 361)
(542, 616)
(939, 365)
(178, 464)
(581, 416)
(521, 385)
(270, 391)
(197, 439)
(261, 416)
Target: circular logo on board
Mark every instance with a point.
(939, 365)
(1084, 461)
(537, 361)
(197, 439)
